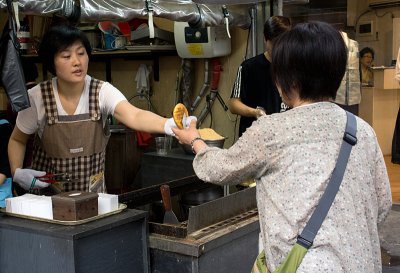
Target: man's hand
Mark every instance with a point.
(259, 112)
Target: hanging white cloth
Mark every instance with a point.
(142, 80)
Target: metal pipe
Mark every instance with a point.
(201, 15)
(253, 31)
(205, 86)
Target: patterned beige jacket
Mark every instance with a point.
(292, 155)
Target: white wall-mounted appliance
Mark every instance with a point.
(383, 3)
(208, 42)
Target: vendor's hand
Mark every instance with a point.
(170, 123)
(24, 178)
(186, 135)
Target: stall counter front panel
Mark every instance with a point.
(117, 244)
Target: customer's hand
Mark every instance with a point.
(25, 178)
(188, 120)
(186, 135)
(170, 123)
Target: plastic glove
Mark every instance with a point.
(24, 178)
(170, 123)
(188, 120)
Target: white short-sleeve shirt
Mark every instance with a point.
(33, 119)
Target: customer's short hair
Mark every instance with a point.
(58, 38)
(276, 25)
(311, 59)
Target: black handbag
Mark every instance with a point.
(12, 75)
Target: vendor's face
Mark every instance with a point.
(71, 64)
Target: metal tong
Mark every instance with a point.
(55, 178)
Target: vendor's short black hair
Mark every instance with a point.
(366, 50)
(311, 59)
(58, 38)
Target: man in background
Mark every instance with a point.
(254, 93)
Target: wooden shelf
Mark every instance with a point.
(131, 53)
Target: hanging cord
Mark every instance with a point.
(248, 36)
(198, 23)
(186, 83)
(178, 83)
(150, 105)
(209, 102)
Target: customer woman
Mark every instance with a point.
(68, 115)
(292, 155)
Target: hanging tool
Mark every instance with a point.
(56, 178)
(150, 10)
(169, 216)
(226, 18)
(217, 68)
(205, 86)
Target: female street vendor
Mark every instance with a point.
(68, 116)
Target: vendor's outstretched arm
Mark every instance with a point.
(139, 119)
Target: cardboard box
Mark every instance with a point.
(74, 205)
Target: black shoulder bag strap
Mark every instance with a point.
(306, 238)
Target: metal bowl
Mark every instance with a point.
(212, 143)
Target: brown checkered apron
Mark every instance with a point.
(73, 144)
